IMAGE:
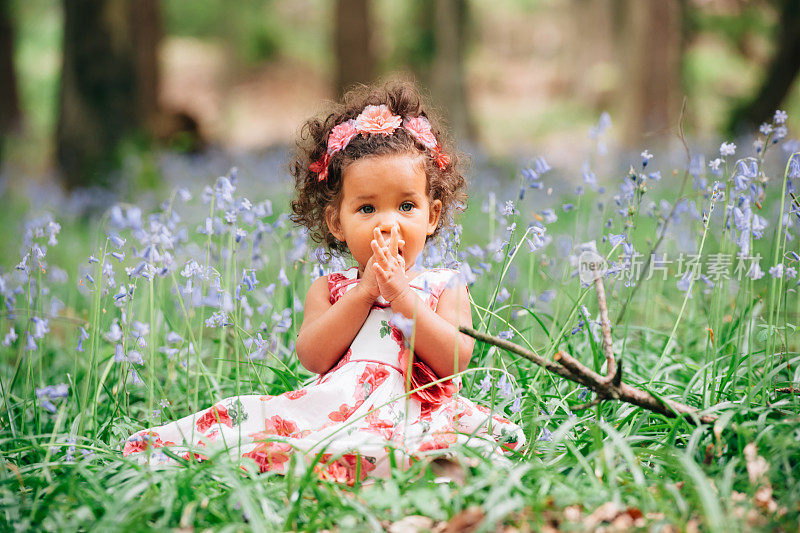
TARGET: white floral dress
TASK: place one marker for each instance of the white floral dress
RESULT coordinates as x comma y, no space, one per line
348,421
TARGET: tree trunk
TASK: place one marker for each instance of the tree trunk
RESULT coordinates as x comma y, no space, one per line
651,81
780,75
147,32
108,83
10,115
355,59
447,79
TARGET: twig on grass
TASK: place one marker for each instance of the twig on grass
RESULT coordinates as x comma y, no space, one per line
608,387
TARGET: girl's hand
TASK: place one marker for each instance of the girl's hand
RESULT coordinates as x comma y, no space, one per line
390,267
369,281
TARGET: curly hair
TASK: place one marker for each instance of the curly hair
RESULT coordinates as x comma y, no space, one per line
313,197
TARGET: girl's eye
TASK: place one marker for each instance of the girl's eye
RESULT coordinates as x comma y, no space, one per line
366,209
406,206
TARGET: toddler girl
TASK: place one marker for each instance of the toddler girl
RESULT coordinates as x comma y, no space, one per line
373,181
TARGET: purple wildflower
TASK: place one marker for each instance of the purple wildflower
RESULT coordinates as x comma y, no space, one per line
776,271
727,149
404,324
83,336
505,386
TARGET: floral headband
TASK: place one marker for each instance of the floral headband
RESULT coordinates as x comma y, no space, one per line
377,119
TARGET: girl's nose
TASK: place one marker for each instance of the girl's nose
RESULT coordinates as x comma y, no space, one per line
386,223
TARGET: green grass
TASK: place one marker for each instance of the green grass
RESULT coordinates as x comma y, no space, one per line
64,470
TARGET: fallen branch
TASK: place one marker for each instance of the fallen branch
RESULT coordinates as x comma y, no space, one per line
608,387
577,372
788,390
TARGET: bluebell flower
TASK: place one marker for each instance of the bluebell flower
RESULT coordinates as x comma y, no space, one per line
589,177
93,259
506,335
655,176
404,324
116,240
505,386
40,327
547,296
465,274
546,435
531,178
776,271
758,226
83,336
794,167
541,166
549,216
218,319
516,406
567,207
10,337
615,240
282,321
765,128
173,338
602,125
507,209
486,383
685,283
249,280
502,295
755,272
51,392
583,393
696,164
646,157
258,347
780,117
283,278
727,149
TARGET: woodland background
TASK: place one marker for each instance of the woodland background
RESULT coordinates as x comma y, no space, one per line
83,84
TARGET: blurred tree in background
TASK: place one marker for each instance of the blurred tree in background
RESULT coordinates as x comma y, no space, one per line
355,59
10,114
109,83
80,78
781,72
650,42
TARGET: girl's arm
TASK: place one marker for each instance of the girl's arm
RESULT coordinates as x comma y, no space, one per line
437,340
328,330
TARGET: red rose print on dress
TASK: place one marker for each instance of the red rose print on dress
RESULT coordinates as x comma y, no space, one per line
384,428
279,426
438,441
217,414
143,440
343,469
295,394
370,379
270,456
344,411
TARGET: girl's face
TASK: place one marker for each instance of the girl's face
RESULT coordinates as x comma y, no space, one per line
381,192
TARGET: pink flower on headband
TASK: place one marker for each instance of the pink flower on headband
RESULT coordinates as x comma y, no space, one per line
420,129
377,119
341,136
